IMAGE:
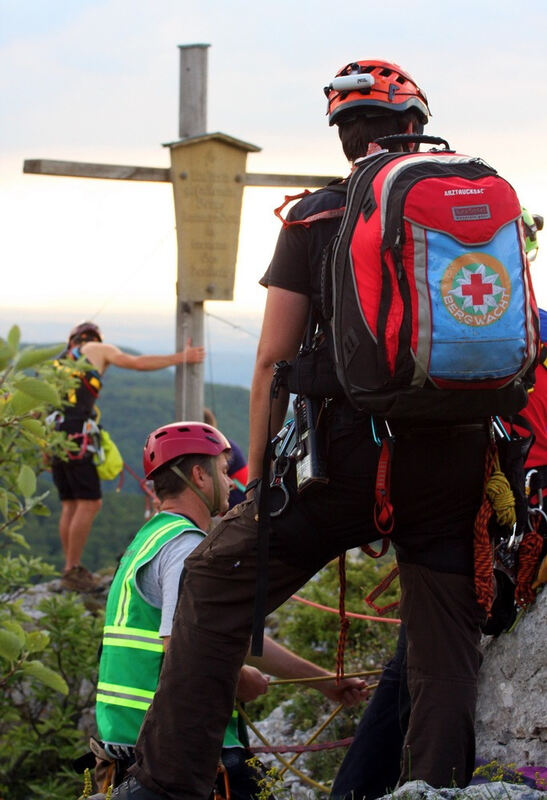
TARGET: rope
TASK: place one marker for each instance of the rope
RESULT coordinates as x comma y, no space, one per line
312,738
231,324
150,497
302,748
317,678
280,758
351,614
482,548
528,556
379,590
500,495
344,621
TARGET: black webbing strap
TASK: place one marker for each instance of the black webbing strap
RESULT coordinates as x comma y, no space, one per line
263,538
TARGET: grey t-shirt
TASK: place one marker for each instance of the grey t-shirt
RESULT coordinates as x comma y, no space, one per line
158,581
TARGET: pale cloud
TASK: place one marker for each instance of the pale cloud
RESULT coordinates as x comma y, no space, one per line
98,81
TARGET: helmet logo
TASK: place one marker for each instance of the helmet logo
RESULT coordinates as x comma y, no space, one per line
476,289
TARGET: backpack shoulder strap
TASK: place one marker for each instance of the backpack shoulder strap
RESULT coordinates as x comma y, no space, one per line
330,213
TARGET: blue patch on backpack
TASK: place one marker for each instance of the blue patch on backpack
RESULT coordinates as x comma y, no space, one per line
477,306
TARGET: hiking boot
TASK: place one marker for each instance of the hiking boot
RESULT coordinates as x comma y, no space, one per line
131,789
79,579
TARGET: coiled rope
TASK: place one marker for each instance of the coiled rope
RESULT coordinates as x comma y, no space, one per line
497,497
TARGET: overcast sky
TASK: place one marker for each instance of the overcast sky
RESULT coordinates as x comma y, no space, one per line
97,80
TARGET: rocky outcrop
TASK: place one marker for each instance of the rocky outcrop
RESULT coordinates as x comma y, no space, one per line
512,706
417,790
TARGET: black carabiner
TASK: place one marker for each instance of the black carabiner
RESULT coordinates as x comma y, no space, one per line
281,467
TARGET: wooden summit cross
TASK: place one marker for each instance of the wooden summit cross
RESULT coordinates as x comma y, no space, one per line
208,177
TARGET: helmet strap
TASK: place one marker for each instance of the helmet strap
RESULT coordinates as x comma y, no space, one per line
213,507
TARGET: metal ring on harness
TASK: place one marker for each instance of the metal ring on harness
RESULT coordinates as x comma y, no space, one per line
281,467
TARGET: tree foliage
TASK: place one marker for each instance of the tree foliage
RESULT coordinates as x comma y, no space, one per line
47,658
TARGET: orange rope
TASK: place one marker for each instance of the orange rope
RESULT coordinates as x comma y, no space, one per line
351,614
482,547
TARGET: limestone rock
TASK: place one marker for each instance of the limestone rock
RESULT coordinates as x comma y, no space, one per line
418,790
512,706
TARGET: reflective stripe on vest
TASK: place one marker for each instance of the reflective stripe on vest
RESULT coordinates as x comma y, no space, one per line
123,696
118,636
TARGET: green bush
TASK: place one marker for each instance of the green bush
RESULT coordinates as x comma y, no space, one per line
47,658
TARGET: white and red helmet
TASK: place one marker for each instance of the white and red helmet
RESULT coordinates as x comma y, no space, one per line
373,87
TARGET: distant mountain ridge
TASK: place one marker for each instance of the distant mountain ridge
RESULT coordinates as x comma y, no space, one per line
134,403
131,405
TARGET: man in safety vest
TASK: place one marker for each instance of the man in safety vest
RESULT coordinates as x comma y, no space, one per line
188,463
76,478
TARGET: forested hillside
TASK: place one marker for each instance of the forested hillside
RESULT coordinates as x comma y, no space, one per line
132,404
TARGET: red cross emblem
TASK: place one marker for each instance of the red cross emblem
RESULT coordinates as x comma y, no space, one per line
477,289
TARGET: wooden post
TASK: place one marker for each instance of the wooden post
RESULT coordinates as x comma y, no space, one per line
189,388
193,90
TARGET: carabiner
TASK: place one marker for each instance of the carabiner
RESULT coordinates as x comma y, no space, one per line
515,539
499,429
375,436
281,467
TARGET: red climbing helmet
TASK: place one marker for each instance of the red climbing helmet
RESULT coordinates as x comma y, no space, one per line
373,87
85,332
180,439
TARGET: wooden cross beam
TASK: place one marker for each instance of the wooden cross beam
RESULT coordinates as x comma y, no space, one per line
208,176
119,172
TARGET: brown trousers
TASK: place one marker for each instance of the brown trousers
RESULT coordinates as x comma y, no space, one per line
437,489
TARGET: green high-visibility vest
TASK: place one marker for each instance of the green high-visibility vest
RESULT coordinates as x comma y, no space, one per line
132,650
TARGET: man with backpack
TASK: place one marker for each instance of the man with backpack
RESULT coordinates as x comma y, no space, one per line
339,486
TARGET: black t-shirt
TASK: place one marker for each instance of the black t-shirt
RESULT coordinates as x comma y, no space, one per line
296,262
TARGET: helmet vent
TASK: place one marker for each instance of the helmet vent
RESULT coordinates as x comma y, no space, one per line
386,72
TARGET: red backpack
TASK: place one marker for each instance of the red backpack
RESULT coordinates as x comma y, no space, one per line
429,295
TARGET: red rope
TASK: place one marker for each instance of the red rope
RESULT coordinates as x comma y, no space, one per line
482,547
348,613
380,589
528,556
150,495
